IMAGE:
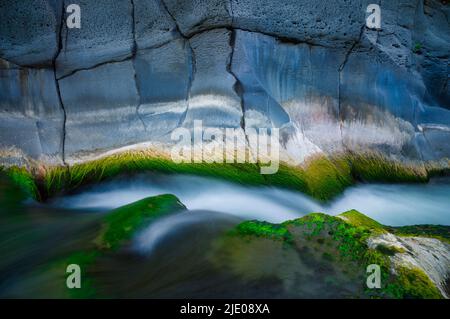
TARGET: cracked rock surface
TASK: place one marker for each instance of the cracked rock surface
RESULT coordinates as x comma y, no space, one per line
138,69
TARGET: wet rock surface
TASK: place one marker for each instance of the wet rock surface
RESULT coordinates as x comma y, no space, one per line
138,69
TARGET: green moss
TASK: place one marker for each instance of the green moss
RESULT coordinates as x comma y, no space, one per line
440,232
117,227
24,180
357,219
263,229
417,48
412,283
121,223
352,243
389,250
439,169
312,224
373,167
350,237
288,177
321,177
59,179
325,179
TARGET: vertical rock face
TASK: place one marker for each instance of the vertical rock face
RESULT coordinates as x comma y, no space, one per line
106,35
101,107
328,23
138,69
294,86
29,31
212,98
31,119
153,25
194,16
383,117
163,87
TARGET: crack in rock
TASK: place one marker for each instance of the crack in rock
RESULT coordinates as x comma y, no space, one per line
192,60
237,87
58,90
133,63
341,68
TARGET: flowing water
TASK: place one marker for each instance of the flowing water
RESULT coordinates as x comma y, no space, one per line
394,205
174,256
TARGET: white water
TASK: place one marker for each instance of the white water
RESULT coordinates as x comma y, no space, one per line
148,239
394,205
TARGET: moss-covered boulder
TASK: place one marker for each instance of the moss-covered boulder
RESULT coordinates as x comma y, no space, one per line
117,227
17,184
330,255
123,222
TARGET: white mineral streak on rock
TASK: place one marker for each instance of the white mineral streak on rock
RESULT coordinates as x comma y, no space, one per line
255,119
221,102
299,147
361,135
319,125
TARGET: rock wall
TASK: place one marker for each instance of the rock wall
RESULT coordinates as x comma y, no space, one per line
138,69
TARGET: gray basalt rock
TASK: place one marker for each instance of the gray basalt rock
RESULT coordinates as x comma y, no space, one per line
290,84
382,118
326,23
127,102
31,118
153,24
106,35
138,69
437,138
163,87
212,96
29,31
431,35
193,16
101,106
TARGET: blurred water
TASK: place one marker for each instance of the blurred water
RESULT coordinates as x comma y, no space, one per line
392,204
398,205
161,230
177,256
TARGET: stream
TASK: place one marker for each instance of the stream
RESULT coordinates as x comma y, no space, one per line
34,235
389,204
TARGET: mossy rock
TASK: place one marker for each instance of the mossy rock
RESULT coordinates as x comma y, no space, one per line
116,228
22,180
338,244
123,222
440,232
264,230
412,283
355,218
389,250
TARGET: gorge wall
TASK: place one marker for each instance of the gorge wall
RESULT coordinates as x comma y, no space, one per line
138,69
